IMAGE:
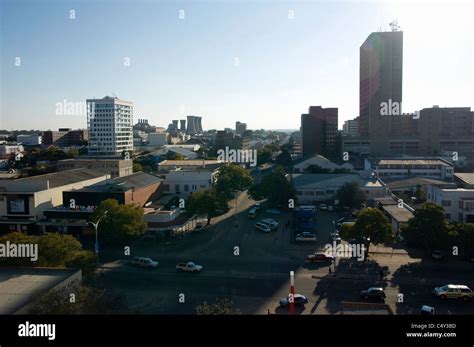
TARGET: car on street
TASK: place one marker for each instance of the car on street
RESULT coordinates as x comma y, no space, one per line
273,211
188,267
262,227
319,258
453,291
427,310
199,227
252,213
298,299
323,207
373,293
305,237
330,208
257,206
272,224
437,255
144,262
336,238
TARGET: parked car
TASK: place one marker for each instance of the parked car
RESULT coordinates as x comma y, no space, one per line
257,206
453,291
323,207
144,262
319,258
305,237
252,213
262,227
272,224
298,299
273,211
199,227
188,267
336,238
373,293
330,208
427,310
437,255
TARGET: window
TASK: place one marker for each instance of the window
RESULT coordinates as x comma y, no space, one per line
194,187
166,187
186,187
447,215
308,192
446,202
176,187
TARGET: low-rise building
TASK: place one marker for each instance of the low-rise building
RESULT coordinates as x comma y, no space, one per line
113,167
196,164
185,182
6,150
302,164
23,201
29,140
410,185
434,168
458,203
311,188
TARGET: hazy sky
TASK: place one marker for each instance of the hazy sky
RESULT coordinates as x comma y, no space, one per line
225,61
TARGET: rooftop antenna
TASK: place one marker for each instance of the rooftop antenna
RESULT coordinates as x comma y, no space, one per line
394,25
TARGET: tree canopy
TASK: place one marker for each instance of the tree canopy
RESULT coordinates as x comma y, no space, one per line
275,187
350,195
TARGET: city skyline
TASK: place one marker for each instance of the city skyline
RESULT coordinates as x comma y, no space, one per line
226,65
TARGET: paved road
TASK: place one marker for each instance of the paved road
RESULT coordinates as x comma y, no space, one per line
257,276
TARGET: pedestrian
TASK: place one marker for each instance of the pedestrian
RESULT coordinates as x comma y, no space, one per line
268,311
330,271
381,274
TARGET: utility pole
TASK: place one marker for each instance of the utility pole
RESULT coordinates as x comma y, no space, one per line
292,292
96,226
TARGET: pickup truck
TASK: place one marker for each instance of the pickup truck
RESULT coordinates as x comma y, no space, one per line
188,267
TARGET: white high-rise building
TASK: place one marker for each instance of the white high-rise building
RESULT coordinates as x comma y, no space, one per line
110,125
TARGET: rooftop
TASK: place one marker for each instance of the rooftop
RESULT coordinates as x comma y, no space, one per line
51,180
134,181
410,182
18,286
191,162
301,180
465,177
413,162
400,214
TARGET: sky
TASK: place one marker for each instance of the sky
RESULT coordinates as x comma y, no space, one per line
259,62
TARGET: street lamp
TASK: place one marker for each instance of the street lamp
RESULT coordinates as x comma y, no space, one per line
96,225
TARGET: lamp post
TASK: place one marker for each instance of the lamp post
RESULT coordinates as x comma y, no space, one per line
292,292
96,225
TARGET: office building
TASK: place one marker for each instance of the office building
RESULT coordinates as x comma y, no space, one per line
434,168
457,203
29,140
113,167
65,137
110,123
351,127
381,62
319,132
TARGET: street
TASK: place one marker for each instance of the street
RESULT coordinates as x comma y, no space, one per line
252,269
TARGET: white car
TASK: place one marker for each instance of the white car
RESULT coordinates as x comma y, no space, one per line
453,291
262,227
330,208
305,237
273,224
188,267
144,262
323,207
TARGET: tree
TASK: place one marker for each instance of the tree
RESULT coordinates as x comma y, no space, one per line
372,223
275,187
350,195
137,167
122,222
205,202
174,156
284,159
420,194
428,228
264,155
88,300
54,250
465,240
232,178
220,307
